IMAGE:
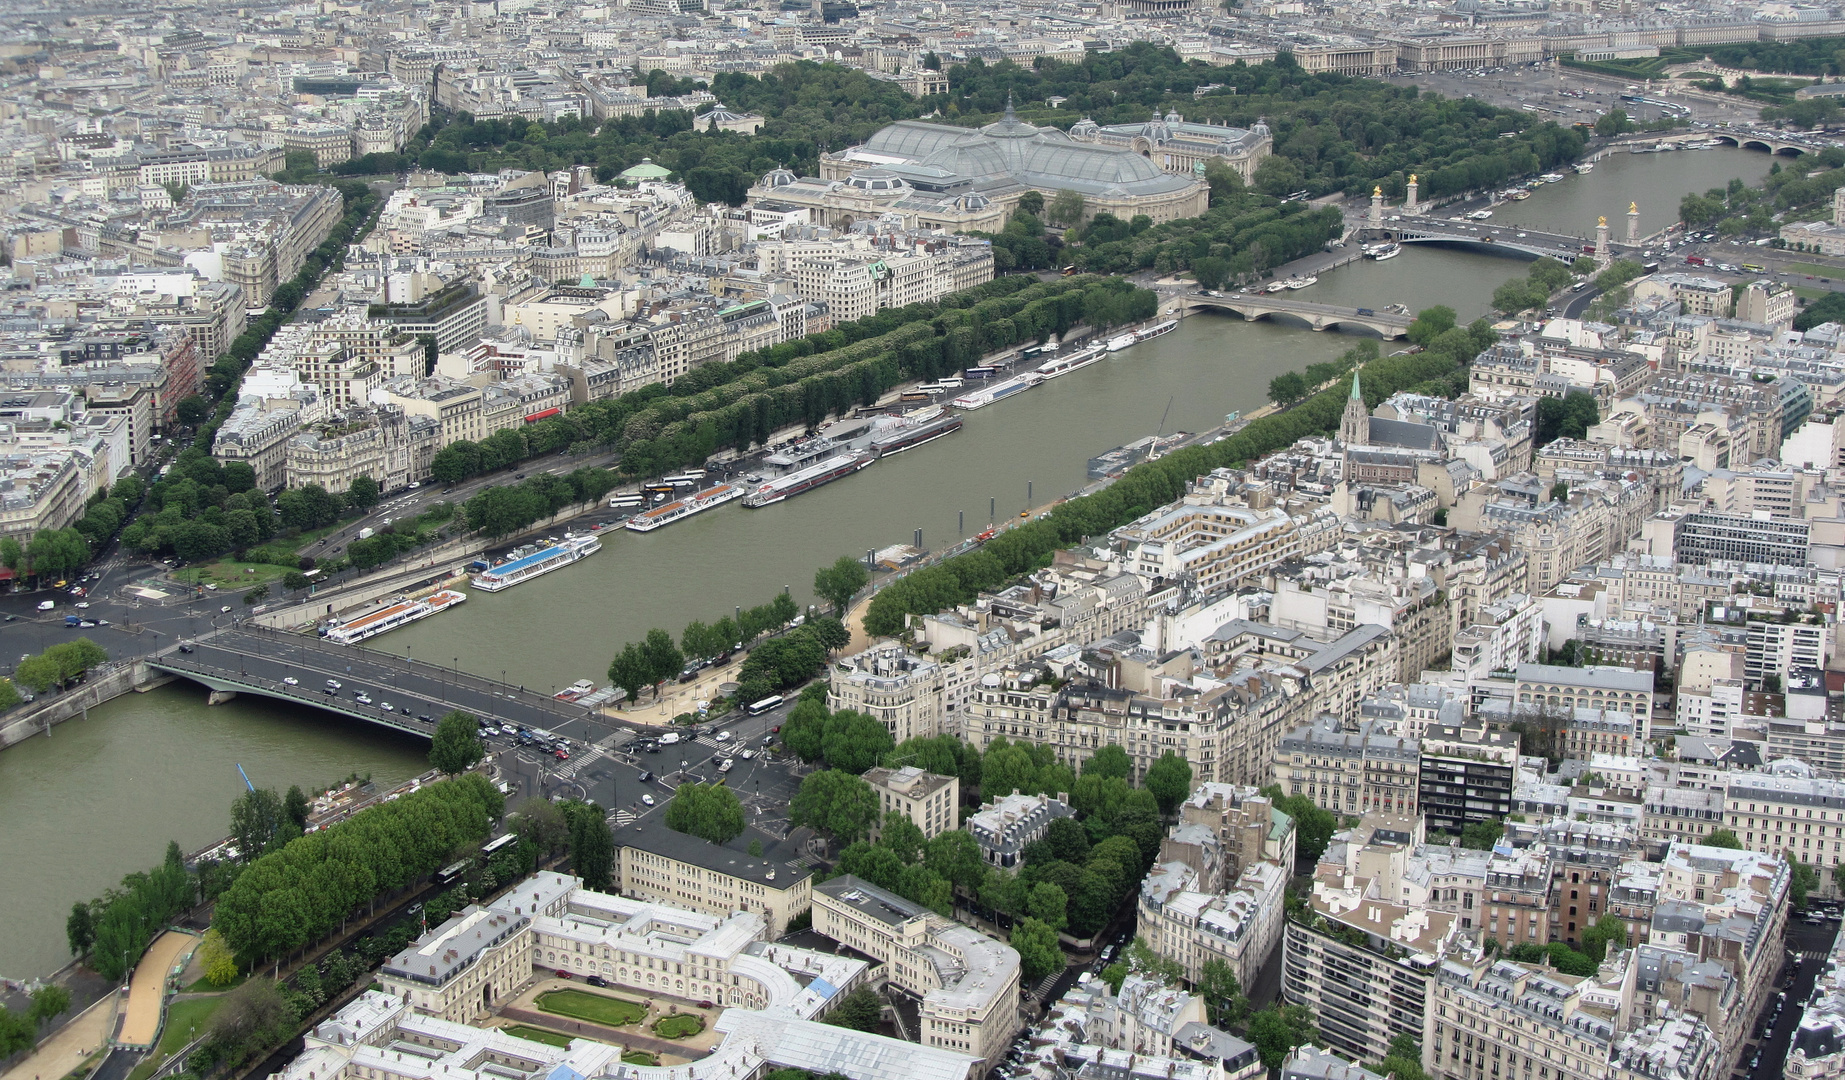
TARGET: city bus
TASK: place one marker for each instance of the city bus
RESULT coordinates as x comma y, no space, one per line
626,500
765,705
493,847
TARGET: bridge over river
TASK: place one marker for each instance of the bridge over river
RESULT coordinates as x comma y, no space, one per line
1514,240
253,660
1253,306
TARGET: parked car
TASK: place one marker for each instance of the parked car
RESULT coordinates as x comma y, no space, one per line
595,980
562,974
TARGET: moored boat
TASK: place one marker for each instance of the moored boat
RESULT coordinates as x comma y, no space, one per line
1063,365
679,509
1301,283
515,571
795,483
393,615
914,429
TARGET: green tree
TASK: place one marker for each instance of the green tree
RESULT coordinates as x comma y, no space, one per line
1039,954
1613,122
630,670
362,494
456,746
1066,208
1607,930
540,823
1313,826
854,741
1223,996
1049,905
1805,879
955,856
215,957
664,660
1287,388
79,929
1403,1061
1430,324
861,1010
1170,781
1482,835
1278,1031
837,803
902,837
48,1002
1724,838
1110,760
804,732
255,817
708,811
592,846
838,583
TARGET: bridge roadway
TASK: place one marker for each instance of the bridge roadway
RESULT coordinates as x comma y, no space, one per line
1484,236
253,660
1253,306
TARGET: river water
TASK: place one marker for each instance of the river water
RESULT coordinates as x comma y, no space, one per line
101,797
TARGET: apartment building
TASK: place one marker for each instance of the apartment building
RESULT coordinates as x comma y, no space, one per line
1352,769
968,982
1502,1014
1793,814
1192,922
888,682
1465,774
1214,547
656,863
928,800
1363,966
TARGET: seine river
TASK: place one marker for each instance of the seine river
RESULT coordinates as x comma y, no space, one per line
101,797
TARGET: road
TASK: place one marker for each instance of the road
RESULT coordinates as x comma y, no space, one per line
1569,96
1809,945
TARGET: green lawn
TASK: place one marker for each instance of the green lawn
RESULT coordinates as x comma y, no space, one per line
1816,270
639,1057
185,1019
678,1026
206,986
230,574
596,1008
526,1031
1808,292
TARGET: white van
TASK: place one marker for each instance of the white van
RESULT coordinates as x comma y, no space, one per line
47,605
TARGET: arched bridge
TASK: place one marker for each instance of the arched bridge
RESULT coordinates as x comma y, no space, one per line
1769,141
1253,306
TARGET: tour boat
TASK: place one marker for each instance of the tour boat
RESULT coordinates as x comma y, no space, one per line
526,567
1018,384
1063,365
1119,342
1384,251
393,615
900,433
1301,283
680,509
1167,327
805,480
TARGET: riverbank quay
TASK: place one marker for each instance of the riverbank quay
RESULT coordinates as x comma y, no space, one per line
105,684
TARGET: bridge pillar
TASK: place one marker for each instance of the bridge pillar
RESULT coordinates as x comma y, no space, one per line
219,697
1633,223
1377,206
1410,205
1601,241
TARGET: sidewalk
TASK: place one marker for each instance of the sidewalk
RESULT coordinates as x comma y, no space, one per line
71,1045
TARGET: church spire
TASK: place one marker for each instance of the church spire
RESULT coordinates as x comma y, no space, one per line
1011,117
1355,422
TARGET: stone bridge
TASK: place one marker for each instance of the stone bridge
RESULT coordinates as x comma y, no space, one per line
1253,306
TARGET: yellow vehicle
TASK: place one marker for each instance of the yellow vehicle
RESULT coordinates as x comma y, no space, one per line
1754,268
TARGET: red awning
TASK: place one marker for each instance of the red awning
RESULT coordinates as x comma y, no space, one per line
537,416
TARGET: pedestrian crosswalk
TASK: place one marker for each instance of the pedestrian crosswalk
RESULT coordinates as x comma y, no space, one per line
626,817
706,740
578,761
1045,984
